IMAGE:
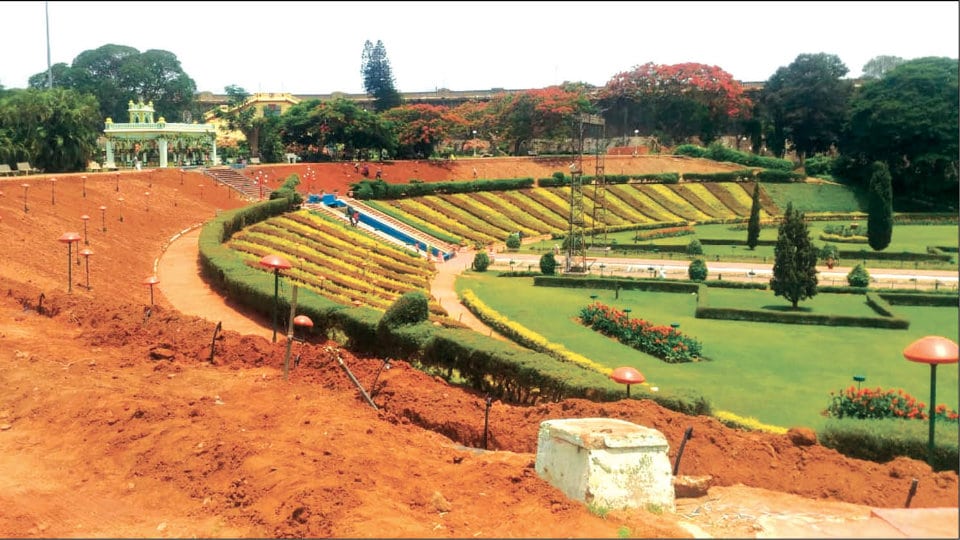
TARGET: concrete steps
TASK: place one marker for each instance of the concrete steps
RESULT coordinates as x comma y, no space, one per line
244,185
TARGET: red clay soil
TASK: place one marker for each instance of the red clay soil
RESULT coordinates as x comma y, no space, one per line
115,422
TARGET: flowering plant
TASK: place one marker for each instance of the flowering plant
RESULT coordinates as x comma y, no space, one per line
664,342
878,403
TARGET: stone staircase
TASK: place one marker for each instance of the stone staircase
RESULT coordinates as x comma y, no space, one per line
422,238
244,185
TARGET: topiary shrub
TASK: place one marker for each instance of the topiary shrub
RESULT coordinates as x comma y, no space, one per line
481,261
513,241
411,308
548,264
858,277
697,270
694,247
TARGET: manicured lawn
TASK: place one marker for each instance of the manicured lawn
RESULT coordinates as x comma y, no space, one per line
781,374
816,197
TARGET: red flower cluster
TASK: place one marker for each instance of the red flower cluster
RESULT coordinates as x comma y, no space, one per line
878,403
664,342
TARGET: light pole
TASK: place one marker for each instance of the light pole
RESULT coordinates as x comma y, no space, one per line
118,180
84,179
151,281
69,238
277,263
120,201
474,143
636,149
53,192
87,252
147,200
181,177
25,188
932,350
103,218
85,219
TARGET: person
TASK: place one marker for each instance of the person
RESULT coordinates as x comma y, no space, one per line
356,218
379,173
136,162
365,171
474,172
356,166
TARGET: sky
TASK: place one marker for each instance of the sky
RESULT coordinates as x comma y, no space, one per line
316,47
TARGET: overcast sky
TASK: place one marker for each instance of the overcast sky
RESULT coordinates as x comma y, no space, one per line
315,47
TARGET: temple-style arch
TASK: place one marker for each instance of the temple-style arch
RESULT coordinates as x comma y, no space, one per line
158,143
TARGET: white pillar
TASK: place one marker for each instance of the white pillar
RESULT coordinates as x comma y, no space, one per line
110,160
162,146
214,155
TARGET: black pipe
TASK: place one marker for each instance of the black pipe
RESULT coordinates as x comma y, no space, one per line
386,365
486,421
686,437
214,340
912,492
40,304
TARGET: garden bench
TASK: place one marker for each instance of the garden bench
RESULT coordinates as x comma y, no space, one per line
5,170
25,168
93,166
254,161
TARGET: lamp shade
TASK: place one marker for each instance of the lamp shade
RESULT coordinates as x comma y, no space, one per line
275,262
932,350
69,237
152,280
627,375
303,320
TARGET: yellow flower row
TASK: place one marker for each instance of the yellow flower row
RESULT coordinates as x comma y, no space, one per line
526,222
719,209
743,193
635,196
451,210
677,204
749,423
417,207
521,199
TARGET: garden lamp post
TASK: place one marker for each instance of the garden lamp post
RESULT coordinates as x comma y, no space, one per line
87,252
859,379
151,281
120,201
103,218
474,143
299,320
53,192
201,191
25,188
117,175
636,148
146,203
277,263
627,375
69,238
932,350
181,177
84,180
85,218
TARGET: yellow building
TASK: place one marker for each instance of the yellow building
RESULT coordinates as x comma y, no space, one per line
265,103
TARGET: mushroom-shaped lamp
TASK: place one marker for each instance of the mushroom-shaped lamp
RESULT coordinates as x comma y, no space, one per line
69,238
151,281
932,350
627,375
85,219
277,263
87,252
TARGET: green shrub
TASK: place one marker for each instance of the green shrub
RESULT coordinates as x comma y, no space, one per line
513,241
697,270
694,247
548,264
858,276
481,261
829,251
411,308
819,165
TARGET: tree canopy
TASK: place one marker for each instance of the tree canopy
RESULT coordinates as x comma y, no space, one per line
378,76
805,104
55,130
795,259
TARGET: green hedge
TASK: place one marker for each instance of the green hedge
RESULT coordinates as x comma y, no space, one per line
883,440
379,189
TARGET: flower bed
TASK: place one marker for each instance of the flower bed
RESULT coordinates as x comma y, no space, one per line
867,403
664,342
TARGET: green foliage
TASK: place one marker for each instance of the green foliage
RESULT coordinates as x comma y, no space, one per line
378,76
548,264
691,150
481,261
867,403
410,308
697,270
819,165
805,103
858,276
880,213
795,260
829,251
694,247
513,241
663,342
379,189
883,440
753,224
908,119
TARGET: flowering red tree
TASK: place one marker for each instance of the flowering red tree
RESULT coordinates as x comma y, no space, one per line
420,128
545,113
676,101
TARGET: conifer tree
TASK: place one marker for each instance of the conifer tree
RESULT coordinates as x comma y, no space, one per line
753,226
378,77
880,207
795,259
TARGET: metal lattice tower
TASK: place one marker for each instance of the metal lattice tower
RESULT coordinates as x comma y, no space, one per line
576,259
599,192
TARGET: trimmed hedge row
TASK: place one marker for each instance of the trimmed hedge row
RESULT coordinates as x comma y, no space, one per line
883,440
379,189
560,179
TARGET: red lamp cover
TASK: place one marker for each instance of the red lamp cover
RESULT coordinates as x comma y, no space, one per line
275,261
302,320
68,237
84,217
86,252
627,375
152,280
932,350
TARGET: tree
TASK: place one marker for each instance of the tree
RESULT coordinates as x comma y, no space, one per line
878,66
677,101
753,226
858,276
697,271
239,116
55,130
117,74
548,263
418,129
806,103
481,261
908,119
795,259
378,77
880,208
